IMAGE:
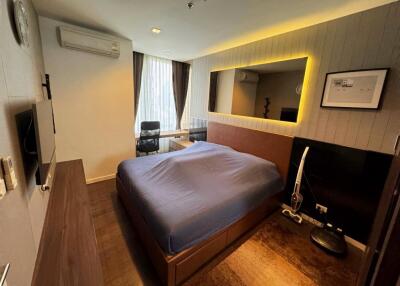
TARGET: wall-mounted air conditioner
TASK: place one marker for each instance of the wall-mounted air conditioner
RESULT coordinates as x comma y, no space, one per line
88,41
249,77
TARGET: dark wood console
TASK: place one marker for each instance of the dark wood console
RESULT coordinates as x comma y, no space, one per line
68,252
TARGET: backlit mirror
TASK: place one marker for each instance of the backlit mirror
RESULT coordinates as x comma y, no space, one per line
270,91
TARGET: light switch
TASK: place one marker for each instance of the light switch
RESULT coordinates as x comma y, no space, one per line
9,174
3,189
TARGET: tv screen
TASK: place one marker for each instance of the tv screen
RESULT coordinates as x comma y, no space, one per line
45,141
289,114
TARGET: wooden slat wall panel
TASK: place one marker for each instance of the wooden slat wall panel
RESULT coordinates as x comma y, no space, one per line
392,54
374,21
364,40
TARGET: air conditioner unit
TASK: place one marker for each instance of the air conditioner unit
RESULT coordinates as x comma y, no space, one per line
249,77
88,41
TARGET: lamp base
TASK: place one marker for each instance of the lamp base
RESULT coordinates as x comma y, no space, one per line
329,240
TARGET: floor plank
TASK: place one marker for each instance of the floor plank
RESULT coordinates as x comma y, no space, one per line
279,253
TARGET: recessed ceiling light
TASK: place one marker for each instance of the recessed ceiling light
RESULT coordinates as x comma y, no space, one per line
156,30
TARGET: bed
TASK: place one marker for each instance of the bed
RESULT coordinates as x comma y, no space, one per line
193,207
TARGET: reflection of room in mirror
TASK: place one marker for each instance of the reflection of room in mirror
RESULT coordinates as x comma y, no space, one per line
270,91
280,88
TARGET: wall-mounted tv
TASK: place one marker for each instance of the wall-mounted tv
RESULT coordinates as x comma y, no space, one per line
45,141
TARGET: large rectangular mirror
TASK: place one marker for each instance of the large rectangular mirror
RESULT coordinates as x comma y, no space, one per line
270,91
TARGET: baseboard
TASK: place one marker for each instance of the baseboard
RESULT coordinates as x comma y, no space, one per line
348,239
100,179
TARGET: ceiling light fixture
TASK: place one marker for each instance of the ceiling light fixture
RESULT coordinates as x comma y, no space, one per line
156,30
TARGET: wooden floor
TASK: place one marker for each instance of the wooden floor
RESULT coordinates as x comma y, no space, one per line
279,253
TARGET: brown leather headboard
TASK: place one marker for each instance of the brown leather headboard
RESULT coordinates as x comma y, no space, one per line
272,147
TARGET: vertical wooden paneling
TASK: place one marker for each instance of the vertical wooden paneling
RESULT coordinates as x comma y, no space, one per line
312,98
389,56
334,65
355,62
345,64
375,21
368,39
322,114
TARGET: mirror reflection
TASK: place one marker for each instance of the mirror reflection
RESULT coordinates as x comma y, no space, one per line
270,91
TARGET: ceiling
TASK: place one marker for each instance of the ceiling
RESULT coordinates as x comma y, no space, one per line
208,27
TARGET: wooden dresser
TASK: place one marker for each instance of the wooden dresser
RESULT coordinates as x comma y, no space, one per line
68,252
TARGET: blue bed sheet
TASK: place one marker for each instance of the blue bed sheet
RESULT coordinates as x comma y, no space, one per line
188,195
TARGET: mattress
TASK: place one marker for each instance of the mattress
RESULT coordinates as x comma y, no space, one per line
187,196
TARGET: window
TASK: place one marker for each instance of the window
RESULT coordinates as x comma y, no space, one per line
156,101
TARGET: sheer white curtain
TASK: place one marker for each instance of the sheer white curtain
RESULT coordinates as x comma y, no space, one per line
156,101
185,122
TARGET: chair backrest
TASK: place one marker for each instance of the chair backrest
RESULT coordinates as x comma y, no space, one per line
149,130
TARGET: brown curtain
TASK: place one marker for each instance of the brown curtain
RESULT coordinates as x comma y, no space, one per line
180,80
212,100
137,78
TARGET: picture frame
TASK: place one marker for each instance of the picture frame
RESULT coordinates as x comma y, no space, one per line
356,89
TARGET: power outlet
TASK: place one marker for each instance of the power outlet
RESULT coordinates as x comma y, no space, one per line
321,209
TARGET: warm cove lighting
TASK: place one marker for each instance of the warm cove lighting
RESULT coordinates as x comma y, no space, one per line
297,22
304,92
156,30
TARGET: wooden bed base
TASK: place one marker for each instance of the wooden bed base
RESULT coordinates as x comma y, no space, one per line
175,269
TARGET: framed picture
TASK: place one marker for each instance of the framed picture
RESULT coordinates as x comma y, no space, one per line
354,89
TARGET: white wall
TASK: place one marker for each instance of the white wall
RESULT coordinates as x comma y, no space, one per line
23,210
364,40
93,103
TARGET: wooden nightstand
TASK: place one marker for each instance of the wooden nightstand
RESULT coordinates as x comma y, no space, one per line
178,144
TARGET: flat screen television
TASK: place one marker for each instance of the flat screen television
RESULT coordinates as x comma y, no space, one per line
42,113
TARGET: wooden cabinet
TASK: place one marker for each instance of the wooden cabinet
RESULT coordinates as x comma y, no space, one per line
68,250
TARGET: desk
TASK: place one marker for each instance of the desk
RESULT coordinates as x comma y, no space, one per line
178,144
171,133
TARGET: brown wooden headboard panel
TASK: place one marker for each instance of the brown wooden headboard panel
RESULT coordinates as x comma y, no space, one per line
273,147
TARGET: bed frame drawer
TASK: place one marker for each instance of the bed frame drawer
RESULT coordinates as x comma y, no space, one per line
252,219
196,260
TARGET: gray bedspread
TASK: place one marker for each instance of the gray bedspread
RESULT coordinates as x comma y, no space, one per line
186,196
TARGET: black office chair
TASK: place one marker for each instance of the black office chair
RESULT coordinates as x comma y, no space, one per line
149,140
